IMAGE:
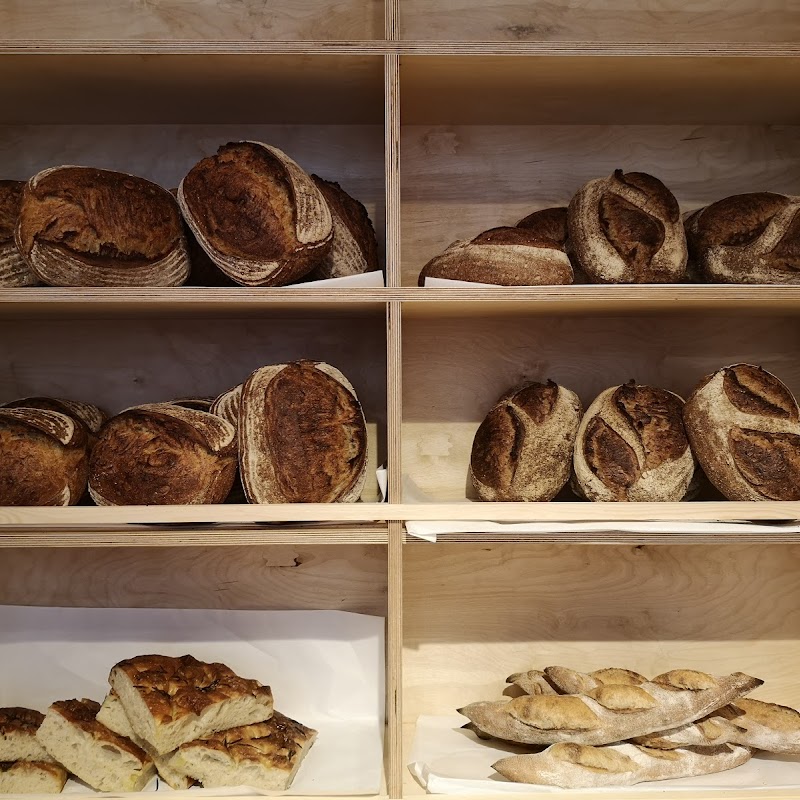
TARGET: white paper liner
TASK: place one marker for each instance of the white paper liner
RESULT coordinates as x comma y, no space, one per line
368,280
448,760
447,283
326,670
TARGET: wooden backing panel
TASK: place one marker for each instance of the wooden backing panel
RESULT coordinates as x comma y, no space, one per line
344,577
599,20
459,181
195,20
473,614
392,134
394,662
455,369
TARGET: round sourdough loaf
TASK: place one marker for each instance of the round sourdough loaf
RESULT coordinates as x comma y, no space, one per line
627,228
163,454
43,458
302,435
80,226
747,238
522,256
632,446
261,219
14,270
90,417
744,427
355,248
522,450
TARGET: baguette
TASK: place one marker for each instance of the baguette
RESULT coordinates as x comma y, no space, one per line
533,681
765,726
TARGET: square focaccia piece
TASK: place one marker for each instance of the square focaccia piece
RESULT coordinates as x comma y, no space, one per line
18,741
31,777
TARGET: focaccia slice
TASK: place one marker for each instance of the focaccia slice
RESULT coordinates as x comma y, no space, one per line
18,741
31,777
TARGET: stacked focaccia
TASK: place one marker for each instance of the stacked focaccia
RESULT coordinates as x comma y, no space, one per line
613,727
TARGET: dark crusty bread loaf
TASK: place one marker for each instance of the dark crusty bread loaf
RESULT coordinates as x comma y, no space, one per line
632,445
81,226
85,414
355,248
257,214
747,238
522,450
627,229
43,458
163,454
520,256
14,269
744,427
227,405
302,435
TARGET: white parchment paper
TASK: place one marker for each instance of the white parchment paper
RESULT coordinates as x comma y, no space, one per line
326,670
447,283
448,760
365,280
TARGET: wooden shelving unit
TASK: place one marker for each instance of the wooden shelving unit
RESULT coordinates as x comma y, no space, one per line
444,119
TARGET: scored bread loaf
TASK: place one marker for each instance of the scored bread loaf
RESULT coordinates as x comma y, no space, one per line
744,428
14,269
575,766
627,229
354,249
227,405
170,701
18,740
609,713
764,726
503,256
31,777
163,454
81,226
709,732
534,681
522,450
570,681
632,446
258,215
88,749
86,414
747,238
265,755
302,435
43,458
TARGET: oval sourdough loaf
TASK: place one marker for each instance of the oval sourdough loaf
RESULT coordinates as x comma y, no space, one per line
163,454
81,226
261,219
632,446
521,256
14,269
522,450
744,427
43,458
627,229
747,238
302,435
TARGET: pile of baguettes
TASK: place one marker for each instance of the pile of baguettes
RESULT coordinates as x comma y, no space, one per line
628,228
613,727
189,721
740,428
291,433
248,215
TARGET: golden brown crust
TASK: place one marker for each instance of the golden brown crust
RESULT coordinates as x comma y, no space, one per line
19,720
173,688
618,676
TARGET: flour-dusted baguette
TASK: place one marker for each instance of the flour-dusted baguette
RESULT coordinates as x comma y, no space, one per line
747,238
266,755
31,777
569,681
14,269
575,766
302,435
81,226
764,726
18,740
627,229
354,249
88,749
533,681
744,428
503,256
609,713
163,454
709,732
522,450
258,215
43,458
632,446
170,701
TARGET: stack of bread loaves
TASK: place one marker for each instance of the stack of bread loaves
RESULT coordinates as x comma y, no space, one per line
189,721
627,228
641,443
613,727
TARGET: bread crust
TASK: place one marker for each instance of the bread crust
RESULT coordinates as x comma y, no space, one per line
744,428
18,728
627,228
14,270
227,405
764,726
